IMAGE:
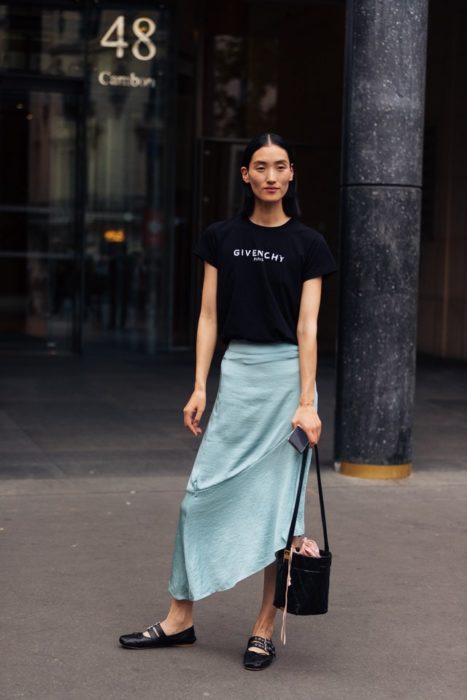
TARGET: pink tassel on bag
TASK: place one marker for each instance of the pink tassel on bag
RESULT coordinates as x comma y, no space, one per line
309,548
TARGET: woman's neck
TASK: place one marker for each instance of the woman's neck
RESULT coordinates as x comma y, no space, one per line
269,214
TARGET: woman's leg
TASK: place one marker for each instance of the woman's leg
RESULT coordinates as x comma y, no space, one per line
264,624
179,617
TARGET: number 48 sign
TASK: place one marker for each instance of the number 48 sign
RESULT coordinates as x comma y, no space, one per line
143,28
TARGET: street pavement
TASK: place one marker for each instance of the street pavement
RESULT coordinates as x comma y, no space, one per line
94,460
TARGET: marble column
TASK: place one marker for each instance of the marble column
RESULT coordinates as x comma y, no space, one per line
380,230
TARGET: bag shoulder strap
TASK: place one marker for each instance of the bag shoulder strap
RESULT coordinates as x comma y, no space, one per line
297,501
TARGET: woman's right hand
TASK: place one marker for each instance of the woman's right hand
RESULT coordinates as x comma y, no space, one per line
193,411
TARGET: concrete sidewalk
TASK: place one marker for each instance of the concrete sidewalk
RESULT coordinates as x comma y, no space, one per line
93,464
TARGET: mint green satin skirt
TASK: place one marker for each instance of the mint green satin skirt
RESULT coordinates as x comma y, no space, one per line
240,496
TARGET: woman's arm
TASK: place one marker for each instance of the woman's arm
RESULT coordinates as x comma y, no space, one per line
206,338
307,328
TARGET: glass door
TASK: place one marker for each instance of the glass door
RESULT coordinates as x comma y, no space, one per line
128,250
87,192
39,235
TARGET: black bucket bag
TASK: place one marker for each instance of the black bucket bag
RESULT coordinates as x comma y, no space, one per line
308,577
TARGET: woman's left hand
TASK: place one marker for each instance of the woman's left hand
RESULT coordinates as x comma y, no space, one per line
307,418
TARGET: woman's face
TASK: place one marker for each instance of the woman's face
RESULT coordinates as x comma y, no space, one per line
269,173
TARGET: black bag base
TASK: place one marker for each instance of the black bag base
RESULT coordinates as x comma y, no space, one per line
309,589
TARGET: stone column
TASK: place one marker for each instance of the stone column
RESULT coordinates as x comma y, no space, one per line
380,213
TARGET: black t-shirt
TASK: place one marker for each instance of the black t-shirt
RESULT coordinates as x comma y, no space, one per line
261,270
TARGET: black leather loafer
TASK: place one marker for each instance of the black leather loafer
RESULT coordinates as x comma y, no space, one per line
256,662
158,638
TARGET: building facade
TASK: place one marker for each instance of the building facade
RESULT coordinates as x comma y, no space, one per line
121,127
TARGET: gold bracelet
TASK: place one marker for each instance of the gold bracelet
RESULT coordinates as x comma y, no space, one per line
306,403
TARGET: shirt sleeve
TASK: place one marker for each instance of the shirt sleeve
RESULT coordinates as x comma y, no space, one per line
206,247
319,261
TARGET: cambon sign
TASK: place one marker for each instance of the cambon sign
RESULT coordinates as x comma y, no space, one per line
137,43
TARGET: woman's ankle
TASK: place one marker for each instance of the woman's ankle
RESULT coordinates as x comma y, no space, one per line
173,625
263,629
179,617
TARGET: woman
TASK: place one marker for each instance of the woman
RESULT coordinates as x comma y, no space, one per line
261,294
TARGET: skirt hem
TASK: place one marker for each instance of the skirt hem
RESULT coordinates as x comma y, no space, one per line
257,569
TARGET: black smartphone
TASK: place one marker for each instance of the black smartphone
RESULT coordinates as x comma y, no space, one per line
298,439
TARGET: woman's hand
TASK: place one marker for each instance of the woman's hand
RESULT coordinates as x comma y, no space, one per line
307,418
193,411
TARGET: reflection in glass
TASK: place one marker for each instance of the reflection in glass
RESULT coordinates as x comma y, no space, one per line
244,84
128,204
37,214
41,40
84,112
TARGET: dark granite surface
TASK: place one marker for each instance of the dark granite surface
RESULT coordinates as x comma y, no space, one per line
380,230
384,93
377,332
